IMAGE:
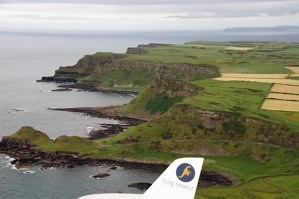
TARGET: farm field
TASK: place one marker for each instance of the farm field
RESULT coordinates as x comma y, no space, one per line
293,69
254,76
285,89
277,100
271,81
245,98
280,105
283,96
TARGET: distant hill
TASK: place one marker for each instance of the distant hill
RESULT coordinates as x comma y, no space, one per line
264,29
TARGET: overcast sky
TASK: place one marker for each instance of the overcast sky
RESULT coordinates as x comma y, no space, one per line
144,15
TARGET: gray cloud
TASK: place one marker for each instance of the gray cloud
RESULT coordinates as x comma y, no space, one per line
237,10
195,16
144,14
56,18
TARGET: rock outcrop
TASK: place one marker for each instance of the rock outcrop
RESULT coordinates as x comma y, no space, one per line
136,51
105,70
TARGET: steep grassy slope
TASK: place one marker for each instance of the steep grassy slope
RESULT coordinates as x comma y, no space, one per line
62,144
159,96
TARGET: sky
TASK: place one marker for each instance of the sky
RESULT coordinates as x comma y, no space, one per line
144,15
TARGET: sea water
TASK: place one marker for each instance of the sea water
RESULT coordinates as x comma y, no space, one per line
25,58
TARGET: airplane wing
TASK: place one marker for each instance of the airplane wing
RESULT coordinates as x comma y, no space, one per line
178,181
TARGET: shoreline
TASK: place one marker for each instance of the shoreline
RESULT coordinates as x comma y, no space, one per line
110,112
72,85
207,178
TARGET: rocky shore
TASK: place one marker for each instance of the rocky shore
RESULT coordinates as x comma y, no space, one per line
68,85
111,112
25,155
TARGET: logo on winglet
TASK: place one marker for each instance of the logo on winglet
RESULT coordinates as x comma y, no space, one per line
185,172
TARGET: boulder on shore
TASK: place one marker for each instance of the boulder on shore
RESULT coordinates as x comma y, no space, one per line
140,185
100,175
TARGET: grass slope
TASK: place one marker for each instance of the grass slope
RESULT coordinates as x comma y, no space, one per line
62,144
160,95
284,186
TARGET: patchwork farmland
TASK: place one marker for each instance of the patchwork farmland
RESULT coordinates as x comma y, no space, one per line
284,95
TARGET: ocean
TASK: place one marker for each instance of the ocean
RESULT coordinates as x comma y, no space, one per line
25,58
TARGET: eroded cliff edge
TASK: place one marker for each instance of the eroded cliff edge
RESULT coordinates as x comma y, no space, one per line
111,71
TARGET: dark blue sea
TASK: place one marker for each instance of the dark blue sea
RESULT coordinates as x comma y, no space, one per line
25,58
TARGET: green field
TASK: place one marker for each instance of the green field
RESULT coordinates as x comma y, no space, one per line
190,114
284,186
265,57
245,98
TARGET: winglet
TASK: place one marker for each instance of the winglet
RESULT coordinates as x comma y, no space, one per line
178,181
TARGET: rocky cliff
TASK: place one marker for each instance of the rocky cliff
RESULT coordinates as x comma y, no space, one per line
114,71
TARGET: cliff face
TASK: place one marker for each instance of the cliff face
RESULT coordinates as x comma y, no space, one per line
91,62
109,70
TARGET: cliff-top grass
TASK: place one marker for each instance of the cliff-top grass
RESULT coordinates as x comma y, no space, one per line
263,58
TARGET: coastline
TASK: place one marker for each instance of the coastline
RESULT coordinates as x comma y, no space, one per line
110,112
90,88
207,178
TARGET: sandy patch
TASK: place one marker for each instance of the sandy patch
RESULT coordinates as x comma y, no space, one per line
285,89
294,75
281,105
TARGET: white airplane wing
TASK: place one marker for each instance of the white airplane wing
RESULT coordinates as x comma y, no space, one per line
178,181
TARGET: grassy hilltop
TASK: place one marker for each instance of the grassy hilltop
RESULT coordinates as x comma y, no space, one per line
232,121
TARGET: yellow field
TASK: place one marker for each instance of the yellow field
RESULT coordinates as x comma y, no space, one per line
285,92
285,89
294,75
283,96
275,81
280,105
254,76
293,69
237,48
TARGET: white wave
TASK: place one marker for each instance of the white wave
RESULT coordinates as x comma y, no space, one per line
47,91
13,167
29,172
89,129
10,159
18,109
